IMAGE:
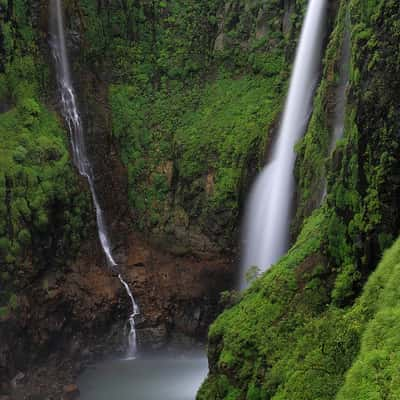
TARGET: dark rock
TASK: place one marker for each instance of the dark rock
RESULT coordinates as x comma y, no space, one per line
17,379
71,392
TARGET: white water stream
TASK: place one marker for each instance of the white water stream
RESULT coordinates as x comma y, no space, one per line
268,213
72,117
341,90
341,93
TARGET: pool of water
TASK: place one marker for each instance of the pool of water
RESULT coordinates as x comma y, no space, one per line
156,377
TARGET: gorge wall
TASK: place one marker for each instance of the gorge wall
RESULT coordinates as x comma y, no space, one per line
312,328
155,81
181,101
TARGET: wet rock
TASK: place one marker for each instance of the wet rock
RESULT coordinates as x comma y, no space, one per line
17,379
153,337
178,297
261,24
71,392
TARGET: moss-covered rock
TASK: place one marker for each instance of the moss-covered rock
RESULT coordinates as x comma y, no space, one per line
316,337
42,209
195,92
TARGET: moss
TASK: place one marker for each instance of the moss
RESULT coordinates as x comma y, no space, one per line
313,150
205,132
374,374
284,342
255,333
42,209
360,172
192,120
319,325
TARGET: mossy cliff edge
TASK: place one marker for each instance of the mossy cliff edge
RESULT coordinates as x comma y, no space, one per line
319,325
181,101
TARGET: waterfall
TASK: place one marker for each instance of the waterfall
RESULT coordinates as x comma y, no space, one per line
132,332
341,93
268,212
72,117
341,90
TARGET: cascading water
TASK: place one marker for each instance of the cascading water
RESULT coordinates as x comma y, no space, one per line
341,93
268,213
341,90
72,117
135,311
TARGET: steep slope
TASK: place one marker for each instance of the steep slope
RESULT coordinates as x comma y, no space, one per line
195,92
297,331
374,374
43,211
185,92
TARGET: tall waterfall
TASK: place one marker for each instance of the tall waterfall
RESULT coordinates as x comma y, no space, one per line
268,213
72,117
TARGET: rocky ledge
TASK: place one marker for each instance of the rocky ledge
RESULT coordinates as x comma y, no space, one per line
69,318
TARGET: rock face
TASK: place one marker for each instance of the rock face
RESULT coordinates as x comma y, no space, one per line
71,392
67,313
75,316
177,295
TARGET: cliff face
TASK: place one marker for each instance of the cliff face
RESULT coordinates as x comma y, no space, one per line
303,331
155,82
59,304
181,101
194,102
68,318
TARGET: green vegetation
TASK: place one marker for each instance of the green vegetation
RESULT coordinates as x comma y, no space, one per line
42,209
195,90
313,158
318,325
374,374
361,172
363,184
204,138
284,341
253,345
195,93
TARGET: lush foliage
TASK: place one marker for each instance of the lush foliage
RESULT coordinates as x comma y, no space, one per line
284,341
41,209
374,374
363,185
196,90
201,142
314,149
303,331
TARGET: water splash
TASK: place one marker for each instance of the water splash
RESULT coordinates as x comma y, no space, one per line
268,213
132,350
73,119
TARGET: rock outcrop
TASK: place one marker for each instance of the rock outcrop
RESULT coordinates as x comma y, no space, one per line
66,319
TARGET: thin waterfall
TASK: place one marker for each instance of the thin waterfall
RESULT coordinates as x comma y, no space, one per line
341,92
268,212
132,348
73,119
